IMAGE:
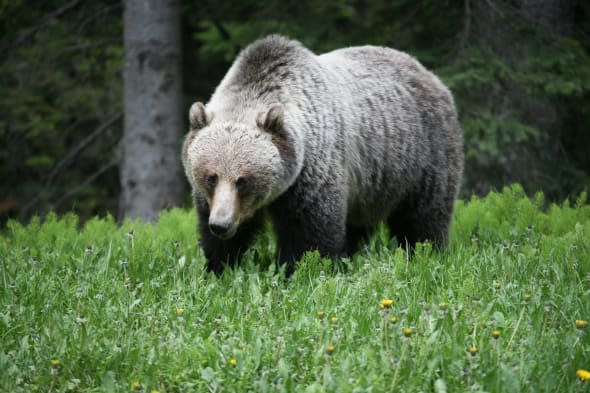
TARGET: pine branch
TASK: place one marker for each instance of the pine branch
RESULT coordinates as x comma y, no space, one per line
87,181
84,143
45,194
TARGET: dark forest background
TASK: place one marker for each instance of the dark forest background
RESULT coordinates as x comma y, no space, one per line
519,71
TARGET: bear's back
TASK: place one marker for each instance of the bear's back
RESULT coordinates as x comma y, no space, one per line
403,125
375,70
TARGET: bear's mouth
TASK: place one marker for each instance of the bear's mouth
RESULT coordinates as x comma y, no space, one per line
223,236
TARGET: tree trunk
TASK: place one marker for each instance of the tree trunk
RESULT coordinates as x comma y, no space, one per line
151,172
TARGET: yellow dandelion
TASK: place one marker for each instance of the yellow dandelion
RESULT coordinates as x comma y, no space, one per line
155,391
233,361
136,385
179,311
334,319
321,314
583,375
55,363
496,334
393,319
496,284
408,331
527,297
473,350
386,303
581,323
330,348
443,306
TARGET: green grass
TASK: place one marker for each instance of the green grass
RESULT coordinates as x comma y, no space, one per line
118,305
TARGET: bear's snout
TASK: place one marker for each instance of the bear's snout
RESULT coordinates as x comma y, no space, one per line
223,218
222,226
218,230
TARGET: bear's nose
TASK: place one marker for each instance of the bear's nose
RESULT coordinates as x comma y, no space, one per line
218,229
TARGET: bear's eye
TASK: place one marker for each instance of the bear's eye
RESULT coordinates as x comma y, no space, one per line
241,183
211,180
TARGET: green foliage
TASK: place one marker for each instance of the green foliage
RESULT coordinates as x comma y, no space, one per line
516,91
59,82
324,26
118,305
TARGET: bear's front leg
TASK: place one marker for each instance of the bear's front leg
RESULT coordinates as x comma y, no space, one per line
305,222
220,252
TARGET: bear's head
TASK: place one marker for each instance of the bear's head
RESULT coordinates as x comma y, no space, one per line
238,167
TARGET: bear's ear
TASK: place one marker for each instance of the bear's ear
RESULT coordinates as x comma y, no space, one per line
271,120
198,116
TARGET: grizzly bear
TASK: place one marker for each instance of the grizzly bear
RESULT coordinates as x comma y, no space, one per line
328,146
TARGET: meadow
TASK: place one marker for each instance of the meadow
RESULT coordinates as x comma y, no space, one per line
105,308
